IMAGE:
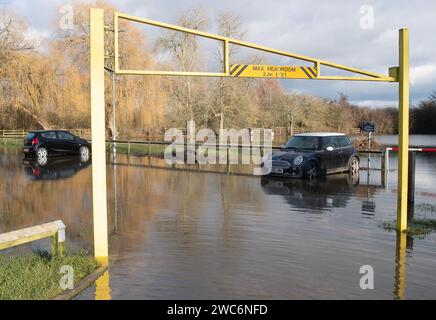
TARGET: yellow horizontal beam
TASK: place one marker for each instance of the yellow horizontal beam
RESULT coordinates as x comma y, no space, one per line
382,79
170,73
167,26
318,62
215,74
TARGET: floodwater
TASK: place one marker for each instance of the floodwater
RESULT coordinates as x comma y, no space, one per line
187,234
415,140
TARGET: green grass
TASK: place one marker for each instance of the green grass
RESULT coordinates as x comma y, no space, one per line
419,228
37,276
122,148
159,150
138,149
18,143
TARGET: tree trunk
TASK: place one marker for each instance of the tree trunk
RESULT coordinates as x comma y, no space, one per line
41,123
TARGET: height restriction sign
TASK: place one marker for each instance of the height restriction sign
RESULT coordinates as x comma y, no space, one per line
265,71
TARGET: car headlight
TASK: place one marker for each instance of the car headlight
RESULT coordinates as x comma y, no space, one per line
298,160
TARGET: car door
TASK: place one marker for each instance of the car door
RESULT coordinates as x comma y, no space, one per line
347,151
342,152
50,141
329,159
66,142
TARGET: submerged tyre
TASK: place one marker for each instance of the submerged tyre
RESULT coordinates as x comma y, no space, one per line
354,165
310,170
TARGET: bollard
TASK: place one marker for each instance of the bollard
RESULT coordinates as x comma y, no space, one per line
149,144
411,182
387,159
228,159
383,172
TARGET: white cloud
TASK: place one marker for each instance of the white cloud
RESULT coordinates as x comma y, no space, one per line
32,34
423,74
37,37
375,103
389,35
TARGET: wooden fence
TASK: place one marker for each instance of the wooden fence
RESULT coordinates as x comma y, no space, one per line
12,133
21,133
141,134
55,230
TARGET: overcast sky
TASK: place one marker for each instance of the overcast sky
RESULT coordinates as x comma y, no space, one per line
338,30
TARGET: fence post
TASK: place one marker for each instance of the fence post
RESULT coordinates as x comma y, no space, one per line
149,144
197,152
58,240
387,159
228,158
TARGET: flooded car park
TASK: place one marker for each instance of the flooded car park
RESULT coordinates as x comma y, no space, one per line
179,234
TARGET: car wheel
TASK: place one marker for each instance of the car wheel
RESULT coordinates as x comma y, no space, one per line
354,165
311,170
41,153
84,154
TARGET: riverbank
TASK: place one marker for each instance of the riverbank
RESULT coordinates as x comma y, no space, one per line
37,276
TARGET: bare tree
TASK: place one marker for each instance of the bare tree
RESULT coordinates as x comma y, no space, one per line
11,35
187,93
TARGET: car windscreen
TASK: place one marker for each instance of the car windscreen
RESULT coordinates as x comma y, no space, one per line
301,142
30,136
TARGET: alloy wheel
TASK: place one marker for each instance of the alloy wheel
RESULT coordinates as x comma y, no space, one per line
311,171
354,166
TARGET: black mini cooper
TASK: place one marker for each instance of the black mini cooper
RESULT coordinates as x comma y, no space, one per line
55,142
309,155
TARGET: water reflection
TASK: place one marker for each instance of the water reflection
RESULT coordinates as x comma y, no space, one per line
44,168
400,266
102,287
177,234
324,192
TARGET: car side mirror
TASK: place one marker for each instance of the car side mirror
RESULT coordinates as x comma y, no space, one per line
329,148
282,146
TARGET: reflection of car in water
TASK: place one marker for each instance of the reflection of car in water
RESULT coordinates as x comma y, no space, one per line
325,192
54,168
309,155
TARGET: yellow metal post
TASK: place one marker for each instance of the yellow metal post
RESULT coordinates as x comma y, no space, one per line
98,135
226,55
403,131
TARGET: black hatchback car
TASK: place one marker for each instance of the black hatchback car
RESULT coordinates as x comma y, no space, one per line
55,142
309,155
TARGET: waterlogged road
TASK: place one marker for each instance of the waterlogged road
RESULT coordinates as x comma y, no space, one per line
178,234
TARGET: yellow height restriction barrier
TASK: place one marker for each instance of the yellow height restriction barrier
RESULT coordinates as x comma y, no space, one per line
398,74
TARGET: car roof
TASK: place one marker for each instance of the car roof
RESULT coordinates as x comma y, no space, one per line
320,134
42,131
